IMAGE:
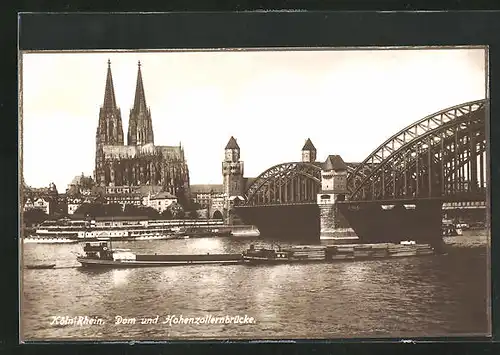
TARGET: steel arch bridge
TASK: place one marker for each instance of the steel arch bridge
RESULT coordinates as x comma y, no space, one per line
287,183
441,155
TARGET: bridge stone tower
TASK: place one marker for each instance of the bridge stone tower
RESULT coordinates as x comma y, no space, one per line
232,172
333,189
308,152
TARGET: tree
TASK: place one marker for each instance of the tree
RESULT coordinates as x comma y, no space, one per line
176,208
195,206
148,212
91,209
140,211
181,197
113,209
180,214
58,215
34,216
167,214
193,214
59,208
131,210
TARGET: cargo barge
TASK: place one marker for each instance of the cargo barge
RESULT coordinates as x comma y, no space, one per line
101,255
353,252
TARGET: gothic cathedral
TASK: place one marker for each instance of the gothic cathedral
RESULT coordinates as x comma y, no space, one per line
139,162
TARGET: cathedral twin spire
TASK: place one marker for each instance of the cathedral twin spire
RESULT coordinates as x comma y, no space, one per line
140,97
109,129
109,93
140,128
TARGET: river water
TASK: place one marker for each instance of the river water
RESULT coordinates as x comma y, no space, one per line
441,295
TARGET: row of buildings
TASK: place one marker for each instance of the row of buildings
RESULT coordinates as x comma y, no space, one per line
50,201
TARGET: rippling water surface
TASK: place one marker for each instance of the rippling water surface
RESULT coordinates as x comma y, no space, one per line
407,297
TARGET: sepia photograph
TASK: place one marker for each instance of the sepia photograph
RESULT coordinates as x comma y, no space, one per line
254,194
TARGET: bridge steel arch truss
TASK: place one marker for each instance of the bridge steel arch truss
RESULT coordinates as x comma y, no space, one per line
286,183
441,155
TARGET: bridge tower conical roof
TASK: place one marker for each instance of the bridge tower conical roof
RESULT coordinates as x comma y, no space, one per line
309,145
232,144
334,162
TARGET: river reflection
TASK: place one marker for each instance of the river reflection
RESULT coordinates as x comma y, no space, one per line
120,277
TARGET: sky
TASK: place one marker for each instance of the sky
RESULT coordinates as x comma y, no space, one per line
347,102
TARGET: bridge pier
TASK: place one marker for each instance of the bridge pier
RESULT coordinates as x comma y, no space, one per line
333,224
393,221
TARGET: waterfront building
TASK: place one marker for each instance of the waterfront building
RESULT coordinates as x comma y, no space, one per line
205,194
217,207
38,203
140,162
78,195
160,201
73,203
45,198
128,195
80,183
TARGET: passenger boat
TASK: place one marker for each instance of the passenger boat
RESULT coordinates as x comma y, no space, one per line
449,229
310,254
53,232
153,237
61,231
245,233
100,254
48,240
201,232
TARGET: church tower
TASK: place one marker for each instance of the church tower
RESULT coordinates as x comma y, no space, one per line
109,128
308,152
232,169
140,126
